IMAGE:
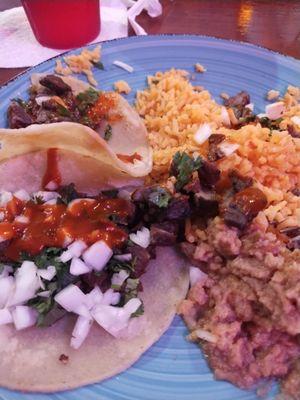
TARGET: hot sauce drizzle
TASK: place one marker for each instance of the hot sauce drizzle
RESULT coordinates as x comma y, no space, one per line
52,173
50,225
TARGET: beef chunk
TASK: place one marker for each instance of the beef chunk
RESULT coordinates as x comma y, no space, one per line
296,191
208,174
188,249
206,204
216,138
164,233
178,209
294,243
142,194
238,181
17,116
55,84
239,100
214,152
291,231
141,257
90,280
245,206
293,131
233,216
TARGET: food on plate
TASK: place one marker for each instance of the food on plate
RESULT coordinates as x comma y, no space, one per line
224,191
81,63
82,130
85,287
122,87
240,173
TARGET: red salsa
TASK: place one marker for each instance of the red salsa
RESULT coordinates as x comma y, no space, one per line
50,225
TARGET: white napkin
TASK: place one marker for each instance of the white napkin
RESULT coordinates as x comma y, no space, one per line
19,48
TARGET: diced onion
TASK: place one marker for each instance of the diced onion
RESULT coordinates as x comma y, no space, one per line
296,120
78,267
196,275
22,219
22,195
94,297
205,335
48,273
124,66
114,319
73,300
26,284
7,286
119,278
46,196
225,116
275,110
45,293
80,331
77,247
40,99
5,197
97,255
228,148
250,106
5,317
203,133
51,202
66,256
7,269
52,185
123,257
141,237
110,297
24,317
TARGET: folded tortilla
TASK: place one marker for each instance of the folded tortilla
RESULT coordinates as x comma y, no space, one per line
85,157
29,359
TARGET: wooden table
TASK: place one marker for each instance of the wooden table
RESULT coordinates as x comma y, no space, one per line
274,24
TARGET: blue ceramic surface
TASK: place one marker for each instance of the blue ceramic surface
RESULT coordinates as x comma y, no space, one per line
172,369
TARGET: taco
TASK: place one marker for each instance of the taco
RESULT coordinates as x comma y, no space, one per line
95,139
84,287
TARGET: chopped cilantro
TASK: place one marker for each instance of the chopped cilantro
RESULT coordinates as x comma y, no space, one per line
21,102
182,168
63,111
269,123
107,132
48,256
140,311
86,99
67,193
98,64
160,197
117,265
111,194
38,200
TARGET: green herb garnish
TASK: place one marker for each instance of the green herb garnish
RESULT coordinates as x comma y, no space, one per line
160,197
107,132
63,111
87,99
117,265
98,64
67,193
270,123
182,168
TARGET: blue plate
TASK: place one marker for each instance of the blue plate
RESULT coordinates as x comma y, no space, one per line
172,369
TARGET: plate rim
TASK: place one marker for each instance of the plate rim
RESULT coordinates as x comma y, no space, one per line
145,37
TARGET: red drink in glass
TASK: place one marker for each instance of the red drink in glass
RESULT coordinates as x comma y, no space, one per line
63,24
